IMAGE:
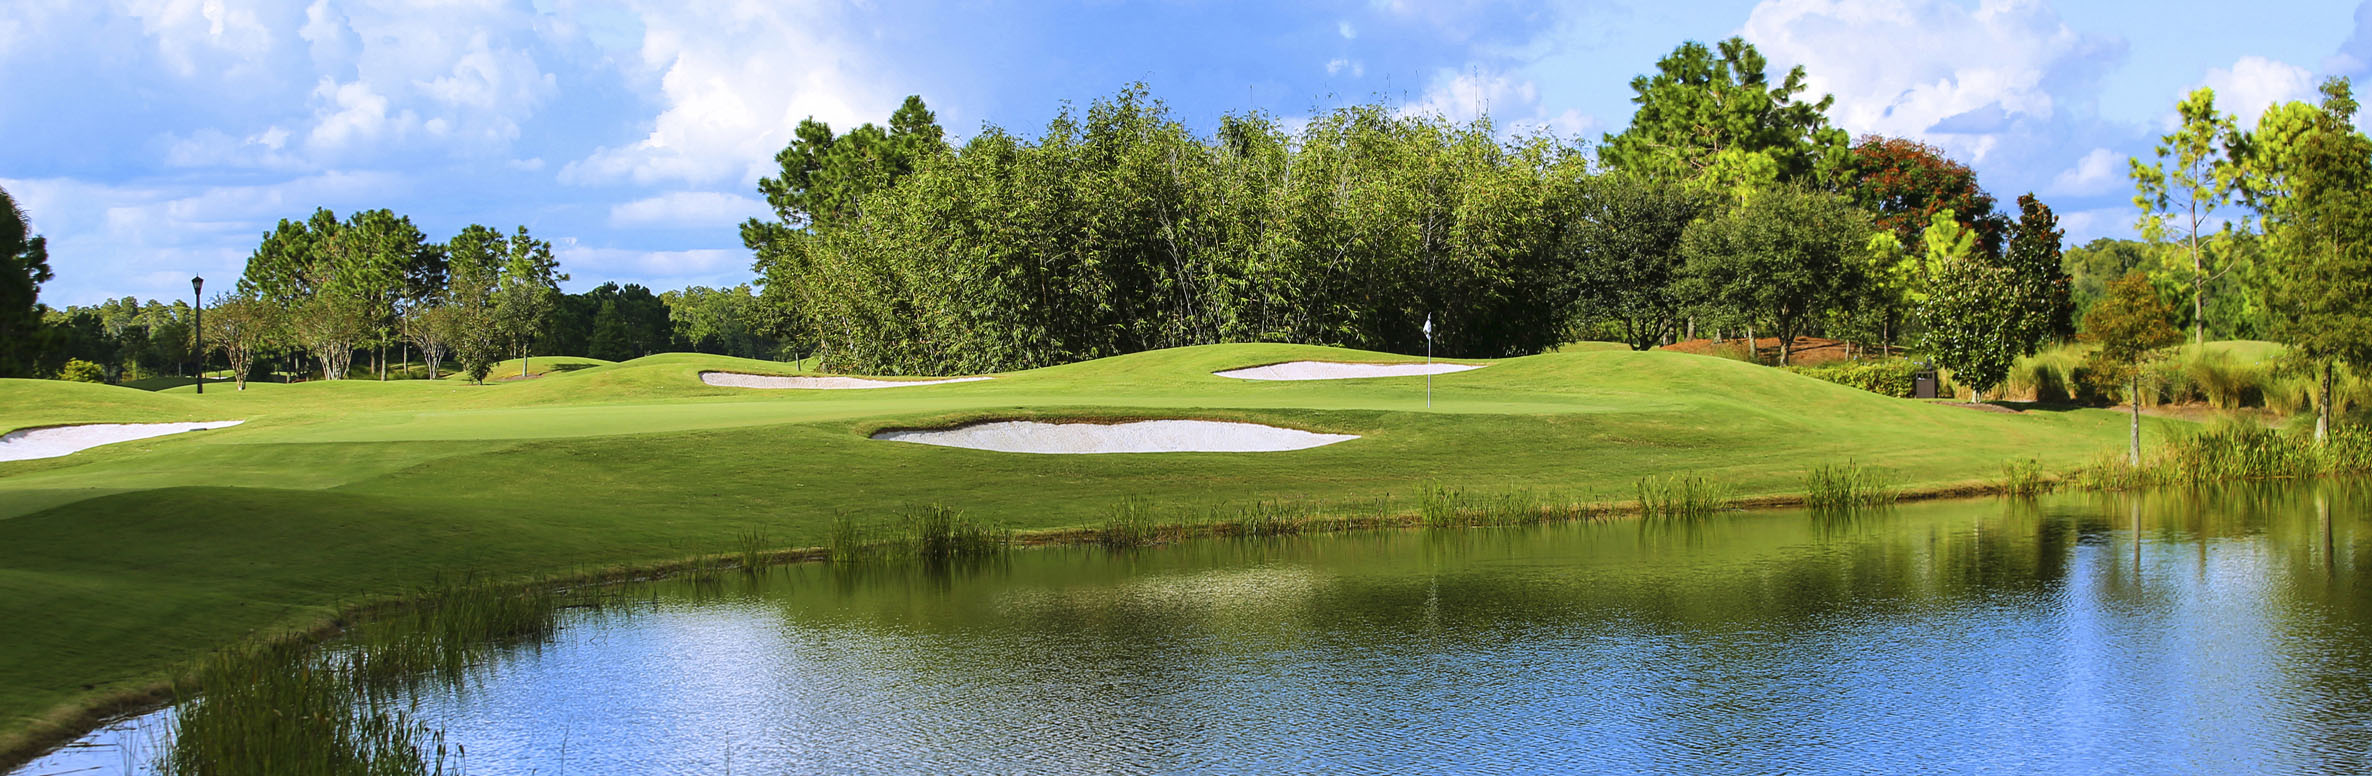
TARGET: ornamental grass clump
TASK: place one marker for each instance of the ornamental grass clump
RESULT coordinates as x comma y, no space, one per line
1848,485
1682,496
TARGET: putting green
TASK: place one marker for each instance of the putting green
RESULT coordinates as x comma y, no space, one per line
120,562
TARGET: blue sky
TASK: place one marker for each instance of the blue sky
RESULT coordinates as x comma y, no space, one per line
154,139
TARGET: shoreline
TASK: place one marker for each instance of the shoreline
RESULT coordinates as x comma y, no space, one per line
67,723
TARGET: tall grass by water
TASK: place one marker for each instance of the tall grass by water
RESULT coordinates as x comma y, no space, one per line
1682,496
938,533
1441,506
1127,526
2024,477
1849,485
292,707
2233,450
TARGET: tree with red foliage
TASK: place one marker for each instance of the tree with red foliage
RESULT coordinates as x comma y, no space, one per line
1903,183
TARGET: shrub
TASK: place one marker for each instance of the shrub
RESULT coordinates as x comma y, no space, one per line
80,371
1891,377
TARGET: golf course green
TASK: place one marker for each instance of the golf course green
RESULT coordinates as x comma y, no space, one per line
120,563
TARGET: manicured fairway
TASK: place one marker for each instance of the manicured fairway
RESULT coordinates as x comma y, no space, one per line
120,562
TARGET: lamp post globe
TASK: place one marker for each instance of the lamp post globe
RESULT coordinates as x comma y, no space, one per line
197,324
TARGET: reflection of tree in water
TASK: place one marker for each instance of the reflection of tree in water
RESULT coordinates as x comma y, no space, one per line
1711,640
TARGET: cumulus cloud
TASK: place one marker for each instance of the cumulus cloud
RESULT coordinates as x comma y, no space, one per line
666,269
1934,70
108,240
734,80
688,210
206,36
2255,83
1510,101
2096,173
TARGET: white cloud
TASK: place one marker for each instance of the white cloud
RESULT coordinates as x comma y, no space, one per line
147,239
688,210
206,36
352,115
2255,83
1338,66
734,81
2093,174
1933,70
665,269
1345,29
1512,102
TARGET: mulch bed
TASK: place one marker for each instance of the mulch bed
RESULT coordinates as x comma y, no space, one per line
1809,351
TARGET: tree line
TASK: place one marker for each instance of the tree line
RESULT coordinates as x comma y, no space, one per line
318,293
1728,207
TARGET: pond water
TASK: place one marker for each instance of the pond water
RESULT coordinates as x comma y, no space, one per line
2220,632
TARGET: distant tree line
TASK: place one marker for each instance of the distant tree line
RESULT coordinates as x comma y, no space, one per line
321,293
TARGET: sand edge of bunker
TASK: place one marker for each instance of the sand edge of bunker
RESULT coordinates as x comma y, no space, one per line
57,441
724,379
1308,369
1100,436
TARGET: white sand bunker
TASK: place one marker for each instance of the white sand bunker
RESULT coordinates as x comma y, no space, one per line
1338,370
1147,436
55,441
740,380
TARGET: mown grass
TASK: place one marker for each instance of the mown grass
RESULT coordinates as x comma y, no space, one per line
338,491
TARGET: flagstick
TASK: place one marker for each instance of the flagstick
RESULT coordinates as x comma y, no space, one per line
1428,361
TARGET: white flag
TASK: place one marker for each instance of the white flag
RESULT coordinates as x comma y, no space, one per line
1428,324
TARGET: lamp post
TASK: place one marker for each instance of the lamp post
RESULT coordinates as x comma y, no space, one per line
197,324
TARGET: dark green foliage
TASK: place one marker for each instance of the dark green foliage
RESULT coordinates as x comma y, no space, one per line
1973,318
1889,377
1786,258
1703,102
24,266
1119,230
2044,289
611,322
1623,241
2318,215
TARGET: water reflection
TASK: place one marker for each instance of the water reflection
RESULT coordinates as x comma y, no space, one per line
2215,631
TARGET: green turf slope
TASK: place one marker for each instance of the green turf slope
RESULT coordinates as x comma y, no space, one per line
121,561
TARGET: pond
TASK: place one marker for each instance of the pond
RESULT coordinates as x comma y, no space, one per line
2195,632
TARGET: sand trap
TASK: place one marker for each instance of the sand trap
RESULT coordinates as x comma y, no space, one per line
1337,370
740,380
1147,436
55,441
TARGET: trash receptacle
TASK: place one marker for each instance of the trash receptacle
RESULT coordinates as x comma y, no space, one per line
1923,385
